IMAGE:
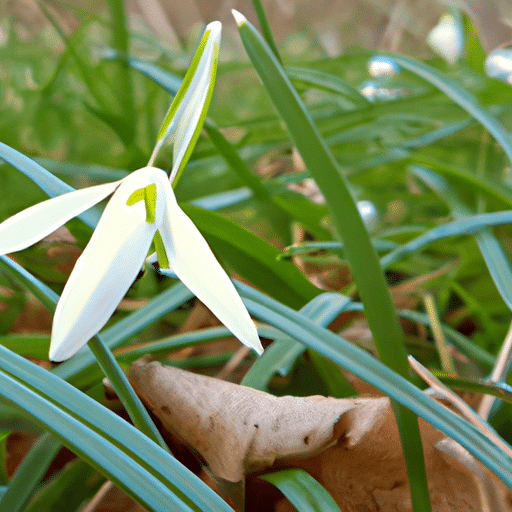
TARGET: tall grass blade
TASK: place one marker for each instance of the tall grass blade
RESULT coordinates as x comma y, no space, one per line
364,263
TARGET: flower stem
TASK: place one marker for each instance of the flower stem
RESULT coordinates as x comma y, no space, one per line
124,390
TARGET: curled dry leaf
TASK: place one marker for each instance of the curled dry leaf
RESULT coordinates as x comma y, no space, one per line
351,446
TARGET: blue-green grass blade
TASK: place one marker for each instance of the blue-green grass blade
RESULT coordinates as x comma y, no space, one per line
102,423
30,472
179,341
44,179
479,184
123,330
363,260
216,202
464,344
500,390
366,367
282,355
327,82
302,490
460,96
498,265
495,258
335,247
96,450
464,226
96,172
165,79
121,42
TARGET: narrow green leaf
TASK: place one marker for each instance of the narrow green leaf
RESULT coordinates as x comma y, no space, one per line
13,419
4,477
75,483
474,54
326,172
302,490
335,247
479,184
327,82
336,383
460,96
28,475
363,260
28,345
265,27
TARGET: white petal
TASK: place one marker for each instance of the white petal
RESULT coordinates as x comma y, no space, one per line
31,225
194,263
190,104
108,266
195,99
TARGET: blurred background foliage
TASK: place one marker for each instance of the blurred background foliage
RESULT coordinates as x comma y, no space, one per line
71,98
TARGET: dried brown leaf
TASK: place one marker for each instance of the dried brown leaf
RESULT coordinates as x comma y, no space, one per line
351,446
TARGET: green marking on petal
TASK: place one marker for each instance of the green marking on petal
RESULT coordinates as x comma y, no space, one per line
148,195
137,196
150,201
160,250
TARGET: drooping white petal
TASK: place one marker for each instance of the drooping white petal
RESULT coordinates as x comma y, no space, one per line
31,225
108,265
191,258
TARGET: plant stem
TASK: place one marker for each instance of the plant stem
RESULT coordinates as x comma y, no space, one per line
124,390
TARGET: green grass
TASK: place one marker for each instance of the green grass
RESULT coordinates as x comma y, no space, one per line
434,160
